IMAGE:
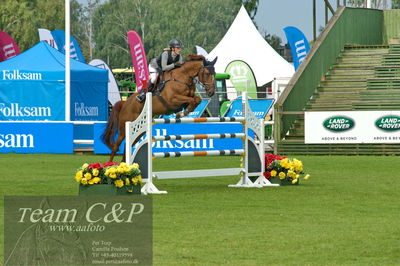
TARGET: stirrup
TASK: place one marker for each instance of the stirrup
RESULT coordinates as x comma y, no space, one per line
141,96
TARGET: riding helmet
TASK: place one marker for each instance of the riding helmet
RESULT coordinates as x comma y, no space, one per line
176,43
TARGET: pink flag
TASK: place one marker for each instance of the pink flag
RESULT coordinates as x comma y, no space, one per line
8,47
138,59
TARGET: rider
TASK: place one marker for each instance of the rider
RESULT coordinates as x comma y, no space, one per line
169,59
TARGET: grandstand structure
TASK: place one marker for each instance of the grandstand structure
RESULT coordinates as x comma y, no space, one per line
354,65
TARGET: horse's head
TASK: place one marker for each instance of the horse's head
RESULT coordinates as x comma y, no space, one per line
206,76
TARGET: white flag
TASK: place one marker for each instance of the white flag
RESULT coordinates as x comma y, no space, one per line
113,93
45,35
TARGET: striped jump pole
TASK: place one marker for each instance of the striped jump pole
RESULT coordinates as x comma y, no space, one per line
197,120
198,153
200,136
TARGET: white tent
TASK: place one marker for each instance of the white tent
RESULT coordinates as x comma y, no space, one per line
243,42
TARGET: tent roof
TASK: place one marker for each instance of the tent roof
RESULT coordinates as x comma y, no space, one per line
44,59
243,42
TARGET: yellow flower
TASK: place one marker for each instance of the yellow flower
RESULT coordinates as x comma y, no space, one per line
85,165
91,181
294,181
84,181
78,176
306,177
127,182
119,183
273,173
135,165
96,180
122,164
88,176
112,175
291,174
282,175
95,172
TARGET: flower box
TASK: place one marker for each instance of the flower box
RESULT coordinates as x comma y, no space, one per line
282,182
107,189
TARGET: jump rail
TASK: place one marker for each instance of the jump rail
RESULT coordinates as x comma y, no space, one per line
251,152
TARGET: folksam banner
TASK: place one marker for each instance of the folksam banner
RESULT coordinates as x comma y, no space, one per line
76,53
181,145
298,44
8,47
242,77
259,108
36,137
138,59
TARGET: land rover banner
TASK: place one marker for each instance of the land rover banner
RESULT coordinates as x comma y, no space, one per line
352,127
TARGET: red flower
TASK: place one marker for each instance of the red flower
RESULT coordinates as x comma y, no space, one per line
109,164
95,166
267,174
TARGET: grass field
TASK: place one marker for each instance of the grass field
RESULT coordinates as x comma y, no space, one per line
347,213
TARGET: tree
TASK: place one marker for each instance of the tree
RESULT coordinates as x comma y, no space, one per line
21,19
395,4
195,22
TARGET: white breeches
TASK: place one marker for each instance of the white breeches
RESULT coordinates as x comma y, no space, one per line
153,74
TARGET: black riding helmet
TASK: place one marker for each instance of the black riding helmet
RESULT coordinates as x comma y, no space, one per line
176,43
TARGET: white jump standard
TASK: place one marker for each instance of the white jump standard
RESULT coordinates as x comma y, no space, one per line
253,154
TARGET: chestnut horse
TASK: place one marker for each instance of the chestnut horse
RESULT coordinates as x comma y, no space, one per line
178,92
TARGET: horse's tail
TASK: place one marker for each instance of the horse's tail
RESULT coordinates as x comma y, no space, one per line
112,125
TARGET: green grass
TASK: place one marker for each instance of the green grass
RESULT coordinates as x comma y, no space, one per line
347,213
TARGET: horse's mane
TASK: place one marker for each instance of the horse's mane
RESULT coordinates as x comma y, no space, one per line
195,57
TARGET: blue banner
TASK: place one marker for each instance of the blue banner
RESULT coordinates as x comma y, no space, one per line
259,107
197,112
75,50
89,101
182,145
36,137
298,44
32,100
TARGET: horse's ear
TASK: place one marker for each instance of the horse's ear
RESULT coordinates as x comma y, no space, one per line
214,61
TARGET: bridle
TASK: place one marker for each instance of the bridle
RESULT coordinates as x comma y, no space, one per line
200,80
211,71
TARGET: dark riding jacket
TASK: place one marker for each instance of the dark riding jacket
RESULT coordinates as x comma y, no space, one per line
165,61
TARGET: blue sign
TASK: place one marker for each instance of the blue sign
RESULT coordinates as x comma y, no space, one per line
197,112
36,137
298,44
259,107
182,145
27,100
75,50
89,101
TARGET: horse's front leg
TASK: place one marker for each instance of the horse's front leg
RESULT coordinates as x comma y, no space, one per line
193,103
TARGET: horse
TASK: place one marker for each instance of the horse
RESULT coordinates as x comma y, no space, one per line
178,92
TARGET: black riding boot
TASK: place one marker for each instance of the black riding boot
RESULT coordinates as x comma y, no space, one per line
141,96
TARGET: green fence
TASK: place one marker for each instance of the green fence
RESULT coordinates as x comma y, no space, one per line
347,26
391,30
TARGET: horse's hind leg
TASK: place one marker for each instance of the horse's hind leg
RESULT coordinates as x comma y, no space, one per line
115,148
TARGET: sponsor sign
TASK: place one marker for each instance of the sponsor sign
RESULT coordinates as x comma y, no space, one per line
75,50
8,47
197,112
259,107
242,77
352,127
25,103
36,137
139,61
182,145
77,230
298,44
